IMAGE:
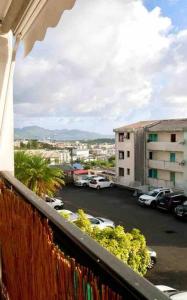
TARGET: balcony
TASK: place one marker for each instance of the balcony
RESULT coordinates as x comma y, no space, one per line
46,257
165,146
156,182
166,165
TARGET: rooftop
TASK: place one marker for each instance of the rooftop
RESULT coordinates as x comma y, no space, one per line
169,125
137,125
156,125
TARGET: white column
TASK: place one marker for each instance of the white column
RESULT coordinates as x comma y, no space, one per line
6,104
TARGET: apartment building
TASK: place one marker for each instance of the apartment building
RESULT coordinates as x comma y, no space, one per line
152,153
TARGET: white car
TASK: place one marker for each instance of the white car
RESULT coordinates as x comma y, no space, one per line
153,257
84,181
172,293
71,216
100,182
54,202
153,196
95,221
101,223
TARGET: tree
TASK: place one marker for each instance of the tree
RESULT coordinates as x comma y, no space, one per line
130,247
35,173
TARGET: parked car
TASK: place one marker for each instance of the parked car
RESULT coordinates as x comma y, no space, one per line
71,216
54,202
100,182
170,201
153,196
95,221
181,211
84,181
172,293
101,222
153,257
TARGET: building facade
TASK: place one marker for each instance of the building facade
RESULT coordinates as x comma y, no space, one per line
152,153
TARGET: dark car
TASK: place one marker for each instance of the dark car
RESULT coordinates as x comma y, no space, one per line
169,202
181,211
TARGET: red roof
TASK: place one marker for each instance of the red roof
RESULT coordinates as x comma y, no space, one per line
80,172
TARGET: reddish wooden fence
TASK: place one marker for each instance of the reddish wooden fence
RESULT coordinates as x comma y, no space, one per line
33,267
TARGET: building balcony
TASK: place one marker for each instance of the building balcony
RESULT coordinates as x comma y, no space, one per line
46,257
165,146
166,165
156,182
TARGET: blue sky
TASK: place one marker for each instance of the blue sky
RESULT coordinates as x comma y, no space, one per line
175,9
106,64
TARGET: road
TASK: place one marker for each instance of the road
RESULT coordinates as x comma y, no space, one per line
163,232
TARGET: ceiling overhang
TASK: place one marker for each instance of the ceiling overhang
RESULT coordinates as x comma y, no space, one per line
29,19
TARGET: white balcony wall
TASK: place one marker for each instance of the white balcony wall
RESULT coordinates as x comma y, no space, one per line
165,165
6,104
165,146
164,136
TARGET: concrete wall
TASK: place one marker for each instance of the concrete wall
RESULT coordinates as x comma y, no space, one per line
164,180
166,136
165,155
140,157
127,162
185,166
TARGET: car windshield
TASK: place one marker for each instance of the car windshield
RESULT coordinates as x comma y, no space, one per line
153,193
93,220
93,181
100,219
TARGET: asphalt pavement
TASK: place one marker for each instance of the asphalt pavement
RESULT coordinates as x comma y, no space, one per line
165,234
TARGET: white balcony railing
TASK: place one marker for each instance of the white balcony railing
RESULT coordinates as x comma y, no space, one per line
156,182
165,146
166,165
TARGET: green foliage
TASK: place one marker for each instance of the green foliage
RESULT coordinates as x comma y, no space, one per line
34,172
35,144
66,215
82,222
99,141
100,163
130,247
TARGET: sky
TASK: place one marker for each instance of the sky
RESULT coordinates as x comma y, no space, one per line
108,63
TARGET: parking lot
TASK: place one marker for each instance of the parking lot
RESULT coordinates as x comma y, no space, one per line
166,235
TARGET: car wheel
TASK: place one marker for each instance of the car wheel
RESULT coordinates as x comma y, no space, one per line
98,187
84,185
153,204
152,263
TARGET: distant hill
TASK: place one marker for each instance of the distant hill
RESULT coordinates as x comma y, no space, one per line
39,133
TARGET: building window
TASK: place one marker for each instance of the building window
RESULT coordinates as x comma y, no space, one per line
150,155
128,136
172,157
153,137
128,153
121,137
128,171
121,155
172,177
173,137
121,171
153,173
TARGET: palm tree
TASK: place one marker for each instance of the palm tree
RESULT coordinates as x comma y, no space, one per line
35,173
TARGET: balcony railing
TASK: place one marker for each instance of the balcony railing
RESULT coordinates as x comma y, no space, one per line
166,165
165,146
46,257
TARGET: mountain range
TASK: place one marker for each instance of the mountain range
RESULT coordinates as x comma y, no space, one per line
39,133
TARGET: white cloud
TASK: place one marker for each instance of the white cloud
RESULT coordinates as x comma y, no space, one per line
108,61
